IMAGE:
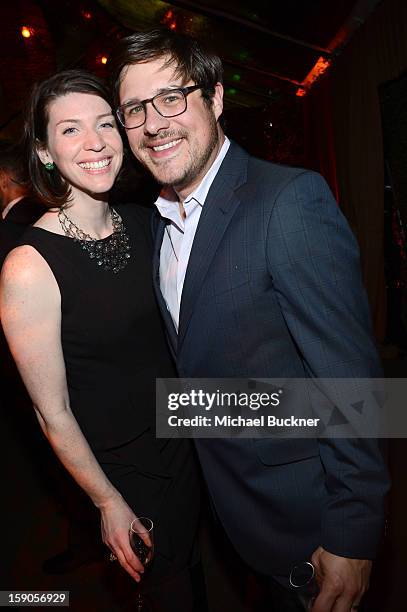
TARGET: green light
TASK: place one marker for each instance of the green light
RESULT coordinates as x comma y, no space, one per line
243,55
232,91
236,77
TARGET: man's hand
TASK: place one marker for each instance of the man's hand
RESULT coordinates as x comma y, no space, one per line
342,581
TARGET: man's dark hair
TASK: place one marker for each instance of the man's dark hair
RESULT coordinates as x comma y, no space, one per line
12,161
190,59
50,186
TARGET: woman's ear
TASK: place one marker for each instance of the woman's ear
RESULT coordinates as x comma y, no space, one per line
44,155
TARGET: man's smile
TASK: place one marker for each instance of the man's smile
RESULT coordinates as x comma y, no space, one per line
164,149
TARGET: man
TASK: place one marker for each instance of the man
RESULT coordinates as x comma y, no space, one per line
18,208
257,275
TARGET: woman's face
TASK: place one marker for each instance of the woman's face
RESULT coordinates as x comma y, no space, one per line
83,142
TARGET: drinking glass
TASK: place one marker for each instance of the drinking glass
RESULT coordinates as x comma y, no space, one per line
142,542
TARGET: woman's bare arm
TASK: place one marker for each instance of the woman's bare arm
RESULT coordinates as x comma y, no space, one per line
30,310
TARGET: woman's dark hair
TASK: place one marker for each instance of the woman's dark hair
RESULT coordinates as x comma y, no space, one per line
49,185
191,60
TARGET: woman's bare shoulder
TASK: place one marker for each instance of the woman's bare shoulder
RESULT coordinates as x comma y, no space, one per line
25,267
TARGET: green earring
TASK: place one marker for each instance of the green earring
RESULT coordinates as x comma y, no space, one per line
49,166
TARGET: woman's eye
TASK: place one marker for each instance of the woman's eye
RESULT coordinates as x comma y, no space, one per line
108,124
69,130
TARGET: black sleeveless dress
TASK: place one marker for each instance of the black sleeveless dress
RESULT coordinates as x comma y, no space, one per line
114,348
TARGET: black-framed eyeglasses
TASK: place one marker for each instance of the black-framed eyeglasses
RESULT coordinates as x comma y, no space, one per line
169,103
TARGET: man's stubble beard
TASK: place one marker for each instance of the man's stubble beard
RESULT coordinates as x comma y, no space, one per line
195,166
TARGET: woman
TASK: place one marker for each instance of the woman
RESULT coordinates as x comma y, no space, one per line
79,314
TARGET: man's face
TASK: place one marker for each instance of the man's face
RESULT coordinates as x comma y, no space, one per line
178,151
5,191
3,179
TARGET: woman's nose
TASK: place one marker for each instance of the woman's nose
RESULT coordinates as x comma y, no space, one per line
94,141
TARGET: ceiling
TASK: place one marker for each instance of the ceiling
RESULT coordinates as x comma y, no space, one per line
271,49
268,46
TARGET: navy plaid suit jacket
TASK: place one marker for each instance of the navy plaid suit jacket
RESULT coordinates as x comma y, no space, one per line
273,290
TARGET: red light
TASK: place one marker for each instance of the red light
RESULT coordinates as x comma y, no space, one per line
26,32
86,14
301,92
169,19
317,71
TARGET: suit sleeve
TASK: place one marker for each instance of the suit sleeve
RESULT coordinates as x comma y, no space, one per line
313,259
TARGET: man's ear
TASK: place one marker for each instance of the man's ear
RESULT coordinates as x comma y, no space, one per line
3,179
217,100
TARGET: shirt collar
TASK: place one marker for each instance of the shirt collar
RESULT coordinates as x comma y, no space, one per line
10,206
170,209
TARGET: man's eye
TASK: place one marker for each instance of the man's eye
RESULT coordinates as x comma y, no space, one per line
134,110
172,98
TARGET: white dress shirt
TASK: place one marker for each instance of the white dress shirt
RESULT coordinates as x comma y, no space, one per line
179,236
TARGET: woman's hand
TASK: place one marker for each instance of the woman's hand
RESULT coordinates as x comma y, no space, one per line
116,517
30,309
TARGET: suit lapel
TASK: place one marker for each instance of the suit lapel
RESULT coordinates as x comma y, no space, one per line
217,212
169,324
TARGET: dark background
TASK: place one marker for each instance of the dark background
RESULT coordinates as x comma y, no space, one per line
349,122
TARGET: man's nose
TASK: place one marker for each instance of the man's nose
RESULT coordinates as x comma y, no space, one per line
154,121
